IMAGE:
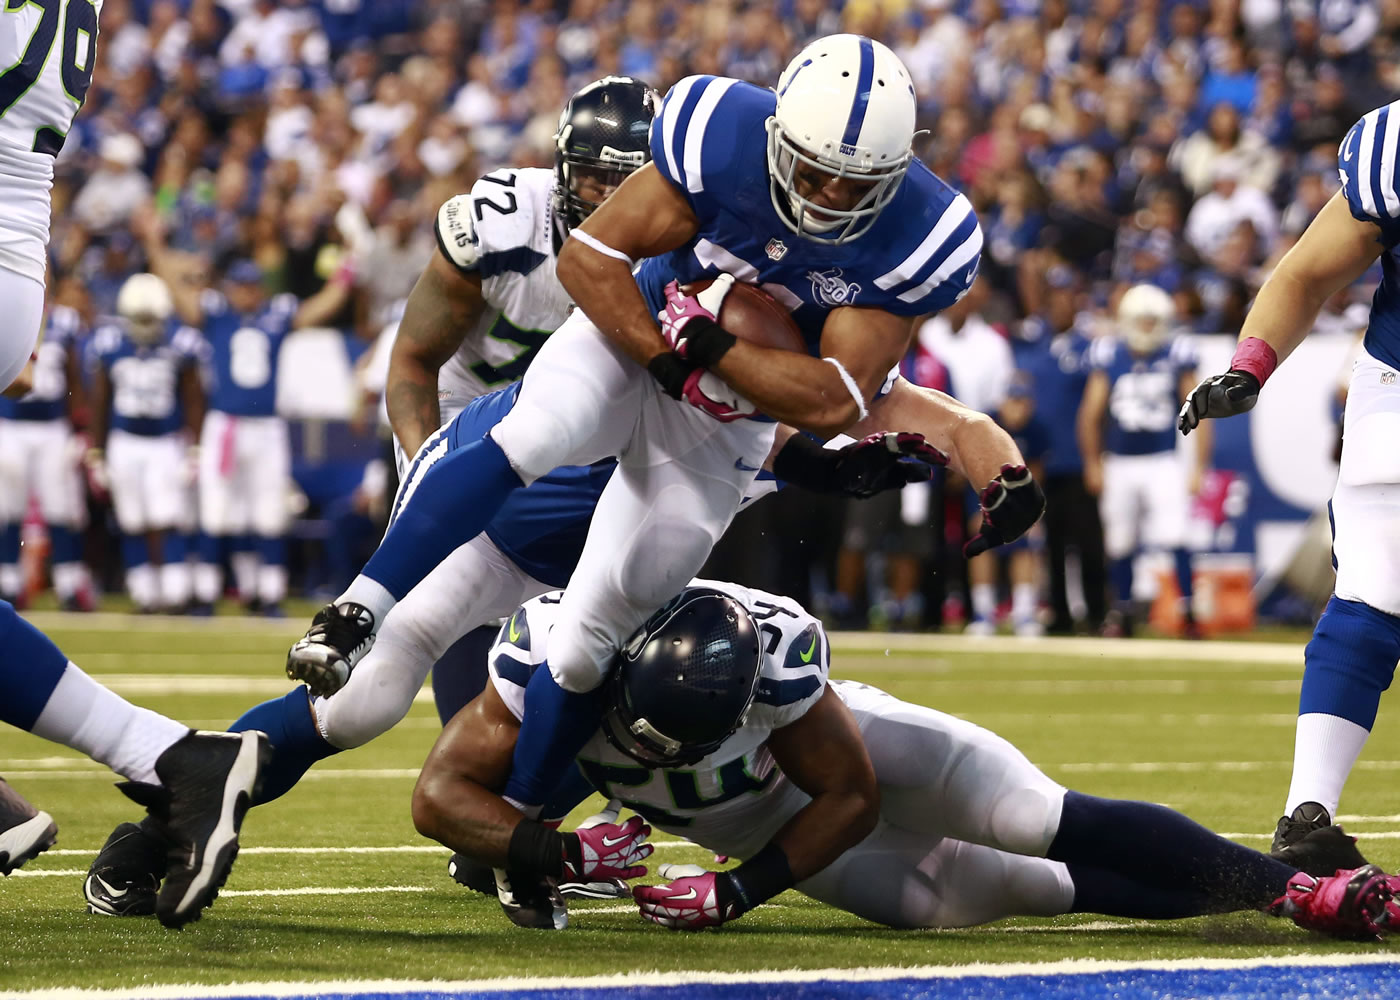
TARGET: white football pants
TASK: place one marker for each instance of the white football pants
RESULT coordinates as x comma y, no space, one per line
680,478
1146,501
24,316
37,456
245,474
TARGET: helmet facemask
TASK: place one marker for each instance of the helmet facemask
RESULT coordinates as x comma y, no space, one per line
788,163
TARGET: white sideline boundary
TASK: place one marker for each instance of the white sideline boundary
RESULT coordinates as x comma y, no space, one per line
631,980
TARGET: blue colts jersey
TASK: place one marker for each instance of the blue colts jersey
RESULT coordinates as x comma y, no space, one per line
243,351
1369,161
146,378
1055,371
1142,394
711,142
48,400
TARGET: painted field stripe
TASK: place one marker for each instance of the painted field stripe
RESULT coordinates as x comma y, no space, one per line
1287,965
243,852
316,890
46,872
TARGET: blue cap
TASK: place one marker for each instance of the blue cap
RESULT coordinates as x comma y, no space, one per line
244,272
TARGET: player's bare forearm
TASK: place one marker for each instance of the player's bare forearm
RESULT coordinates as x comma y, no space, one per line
454,801
646,217
101,406
976,447
1089,422
192,400
442,307
822,754
1333,251
805,392
326,304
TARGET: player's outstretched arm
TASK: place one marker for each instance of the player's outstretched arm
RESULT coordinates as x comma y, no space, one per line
1333,251
822,754
444,304
455,802
1089,430
646,216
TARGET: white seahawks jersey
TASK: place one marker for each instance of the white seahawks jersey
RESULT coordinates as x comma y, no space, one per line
49,47
503,231
730,800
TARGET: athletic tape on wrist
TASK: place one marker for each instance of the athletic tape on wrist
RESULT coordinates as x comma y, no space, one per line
1256,357
850,385
596,244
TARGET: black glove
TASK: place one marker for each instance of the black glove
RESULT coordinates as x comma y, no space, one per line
671,370
1011,504
1219,396
880,462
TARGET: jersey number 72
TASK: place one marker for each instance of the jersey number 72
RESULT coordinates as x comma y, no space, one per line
79,19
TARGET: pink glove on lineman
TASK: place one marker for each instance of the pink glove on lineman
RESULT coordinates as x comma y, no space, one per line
608,850
687,903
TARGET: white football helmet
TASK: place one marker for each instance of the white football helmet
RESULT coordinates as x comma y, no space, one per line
845,107
144,302
1145,314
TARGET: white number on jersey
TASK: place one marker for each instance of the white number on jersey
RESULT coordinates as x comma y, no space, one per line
250,358
38,95
143,388
1144,401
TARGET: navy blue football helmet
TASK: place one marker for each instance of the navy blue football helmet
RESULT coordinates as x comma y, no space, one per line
684,681
605,131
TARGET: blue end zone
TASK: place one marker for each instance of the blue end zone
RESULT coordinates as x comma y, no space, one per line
1319,977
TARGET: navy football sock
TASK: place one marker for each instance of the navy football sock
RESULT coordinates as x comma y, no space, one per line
451,505
30,668
1181,561
462,672
66,545
557,724
1160,847
1097,890
296,742
1120,576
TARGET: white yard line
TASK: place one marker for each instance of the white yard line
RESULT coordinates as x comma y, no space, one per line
1287,964
316,890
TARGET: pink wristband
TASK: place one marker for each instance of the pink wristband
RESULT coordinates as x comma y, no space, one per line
1256,357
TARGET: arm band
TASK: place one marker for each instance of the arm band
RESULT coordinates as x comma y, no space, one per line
596,244
706,342
1256,357
850,385
759,879
537,849
806,464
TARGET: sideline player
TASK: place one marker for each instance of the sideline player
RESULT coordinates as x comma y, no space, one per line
148,400
1130,458
719,725
1351,658
812,193
37,456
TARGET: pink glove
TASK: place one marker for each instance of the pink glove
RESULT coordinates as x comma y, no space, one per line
685,904
706,391
682,309
609,851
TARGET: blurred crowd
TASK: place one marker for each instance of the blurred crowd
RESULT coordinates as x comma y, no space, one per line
1104,143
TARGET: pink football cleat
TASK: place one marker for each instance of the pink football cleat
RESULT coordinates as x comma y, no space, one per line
1354,904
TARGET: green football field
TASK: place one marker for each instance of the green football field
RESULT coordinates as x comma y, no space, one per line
334,884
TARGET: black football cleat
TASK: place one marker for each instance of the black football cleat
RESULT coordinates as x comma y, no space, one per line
339,637
1309,816
473,874
1321,851
531,901
25,832
126,874
207,781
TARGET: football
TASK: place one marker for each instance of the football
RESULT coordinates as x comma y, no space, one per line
751,314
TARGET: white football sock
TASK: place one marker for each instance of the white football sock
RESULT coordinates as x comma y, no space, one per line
272,583
1023,601
11,579
984,601
86,716
208,582
143,585
372,594
175,585
245,574
1325,748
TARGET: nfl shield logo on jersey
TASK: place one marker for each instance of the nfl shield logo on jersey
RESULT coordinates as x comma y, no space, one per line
776,249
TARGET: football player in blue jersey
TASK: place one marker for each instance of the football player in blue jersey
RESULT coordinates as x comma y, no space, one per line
148,399
245,457
1126,437
1355,646
37,456
811,192
720,724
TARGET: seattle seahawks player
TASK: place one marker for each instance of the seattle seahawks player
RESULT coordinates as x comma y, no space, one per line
49,49
244,458
1131,464
719,725
812,193
148,400
37,455
1355,646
